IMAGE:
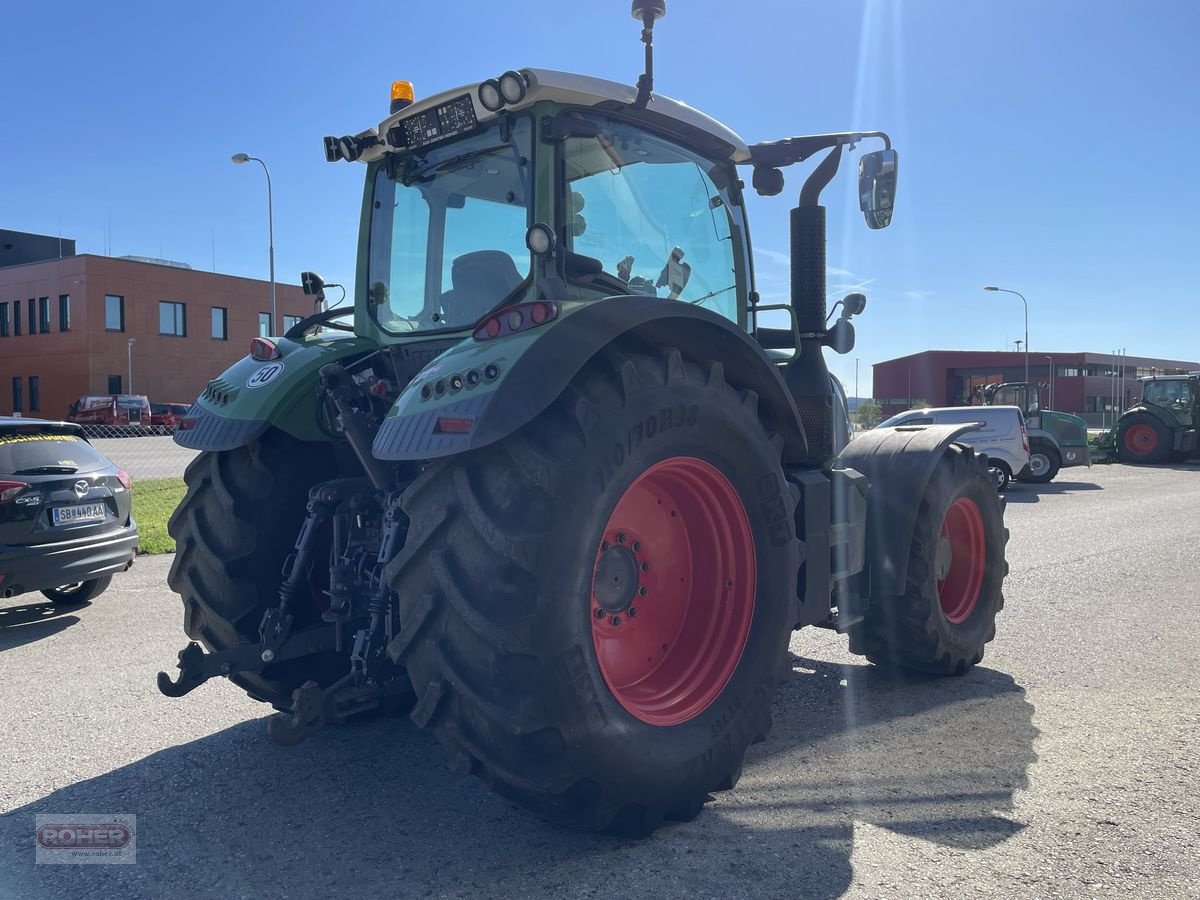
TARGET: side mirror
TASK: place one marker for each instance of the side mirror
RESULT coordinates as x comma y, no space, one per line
312,284
877,187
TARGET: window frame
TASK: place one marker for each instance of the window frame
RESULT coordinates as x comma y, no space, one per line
224,311
120,384
4,326
64,312
43,315
17,399
35,391
264,331
178,318
295,320
16,318
120,298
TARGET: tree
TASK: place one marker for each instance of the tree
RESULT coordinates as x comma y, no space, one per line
868,414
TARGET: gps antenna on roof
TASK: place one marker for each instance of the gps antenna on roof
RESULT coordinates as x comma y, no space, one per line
647,11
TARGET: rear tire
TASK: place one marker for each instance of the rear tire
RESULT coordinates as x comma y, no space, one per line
941,625
233,529
1143,440
1044,463
77,594
515,550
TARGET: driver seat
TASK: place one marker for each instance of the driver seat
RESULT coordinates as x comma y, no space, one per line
480,280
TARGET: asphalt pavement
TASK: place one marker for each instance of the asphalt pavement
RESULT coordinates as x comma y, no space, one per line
1063,766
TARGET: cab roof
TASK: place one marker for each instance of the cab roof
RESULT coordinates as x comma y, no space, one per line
581,90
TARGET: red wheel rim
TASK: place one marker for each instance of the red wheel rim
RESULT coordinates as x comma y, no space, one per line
1141,440
961,557
673,591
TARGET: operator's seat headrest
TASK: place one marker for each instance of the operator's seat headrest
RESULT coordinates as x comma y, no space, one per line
480,280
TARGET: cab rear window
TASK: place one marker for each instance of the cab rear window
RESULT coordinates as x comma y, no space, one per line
21,452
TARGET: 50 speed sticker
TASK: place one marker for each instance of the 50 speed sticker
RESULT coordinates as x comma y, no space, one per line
265,375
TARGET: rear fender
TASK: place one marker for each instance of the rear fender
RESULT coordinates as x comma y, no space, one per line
898,462
532,368
251,396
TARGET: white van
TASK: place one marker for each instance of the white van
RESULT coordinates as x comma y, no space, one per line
1001,435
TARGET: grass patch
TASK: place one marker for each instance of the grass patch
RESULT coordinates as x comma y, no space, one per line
153,503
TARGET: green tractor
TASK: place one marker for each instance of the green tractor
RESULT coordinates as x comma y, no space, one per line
543,487
1056,440
1162,426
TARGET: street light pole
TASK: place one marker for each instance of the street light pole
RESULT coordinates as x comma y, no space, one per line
129,387
239,158
856,395
1026,303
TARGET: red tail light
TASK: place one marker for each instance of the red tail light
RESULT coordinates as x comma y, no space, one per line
263,350
453,426
187,423
126,481
10,489
1024,438
513,319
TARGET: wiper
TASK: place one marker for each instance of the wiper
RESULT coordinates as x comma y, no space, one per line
419,167
711,294
48,470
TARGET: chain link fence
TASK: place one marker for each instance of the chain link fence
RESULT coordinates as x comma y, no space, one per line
144,456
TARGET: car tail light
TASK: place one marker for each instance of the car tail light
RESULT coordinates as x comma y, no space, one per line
263,350
1024,438
513,319
10,489
126,481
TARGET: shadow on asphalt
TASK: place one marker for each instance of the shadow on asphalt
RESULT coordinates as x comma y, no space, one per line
33,621
371,809
1027,492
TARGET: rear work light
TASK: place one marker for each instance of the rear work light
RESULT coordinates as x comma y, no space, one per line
263,350
513,319
10,489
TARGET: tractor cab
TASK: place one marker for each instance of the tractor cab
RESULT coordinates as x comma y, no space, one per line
1177,395
1056,440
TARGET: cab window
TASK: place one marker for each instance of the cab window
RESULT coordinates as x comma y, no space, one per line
652,214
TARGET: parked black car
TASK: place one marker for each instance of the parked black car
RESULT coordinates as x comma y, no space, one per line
66,524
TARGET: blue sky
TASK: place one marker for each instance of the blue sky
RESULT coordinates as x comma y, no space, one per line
1044,146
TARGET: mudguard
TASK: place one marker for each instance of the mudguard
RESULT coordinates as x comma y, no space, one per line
251,396
898,462
508,381
1163,415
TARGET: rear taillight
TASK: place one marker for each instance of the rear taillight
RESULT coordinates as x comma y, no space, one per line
10,489
126,481
513,319
1024,438
263,350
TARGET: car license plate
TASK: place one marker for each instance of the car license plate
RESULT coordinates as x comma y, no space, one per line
85,512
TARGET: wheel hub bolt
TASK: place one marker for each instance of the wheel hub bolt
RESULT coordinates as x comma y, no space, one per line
615,621
642,591
636,546
645,567
268,655
620,538
599,613
632,611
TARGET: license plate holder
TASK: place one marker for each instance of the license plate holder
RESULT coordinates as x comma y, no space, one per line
79,513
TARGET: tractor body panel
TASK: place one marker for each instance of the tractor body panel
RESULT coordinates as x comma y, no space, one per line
898,462
252,395
432,418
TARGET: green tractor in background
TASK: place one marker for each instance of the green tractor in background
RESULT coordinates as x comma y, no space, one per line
1162,426
543,486
1057,440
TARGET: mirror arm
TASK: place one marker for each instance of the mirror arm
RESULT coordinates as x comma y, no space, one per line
810,194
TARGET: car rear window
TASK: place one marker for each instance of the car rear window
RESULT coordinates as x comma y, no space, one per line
158,408
19,452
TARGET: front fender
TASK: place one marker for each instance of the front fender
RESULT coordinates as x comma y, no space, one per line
898,463
251,396
532,368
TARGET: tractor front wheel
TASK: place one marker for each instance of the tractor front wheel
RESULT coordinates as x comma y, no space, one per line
956,568
595,611
1143,439
1044,463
